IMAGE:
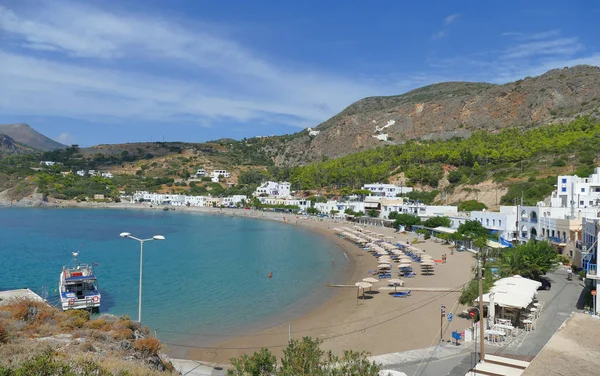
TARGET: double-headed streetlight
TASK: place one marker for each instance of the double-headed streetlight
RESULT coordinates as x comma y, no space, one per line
142,241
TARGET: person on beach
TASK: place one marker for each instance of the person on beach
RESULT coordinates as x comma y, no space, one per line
332,262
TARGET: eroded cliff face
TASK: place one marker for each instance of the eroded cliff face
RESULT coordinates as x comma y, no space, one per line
449,109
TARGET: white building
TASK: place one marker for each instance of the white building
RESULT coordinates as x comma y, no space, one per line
220,173
575,192
81,172
200,173
303,204
47,163
107,175
92,172
504,223
274,189
234,200
386,190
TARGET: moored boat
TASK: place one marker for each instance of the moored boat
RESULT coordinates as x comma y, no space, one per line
78,287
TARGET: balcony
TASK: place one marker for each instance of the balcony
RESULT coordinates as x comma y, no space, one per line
592,271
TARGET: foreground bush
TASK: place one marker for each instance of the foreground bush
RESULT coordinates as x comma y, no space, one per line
304,358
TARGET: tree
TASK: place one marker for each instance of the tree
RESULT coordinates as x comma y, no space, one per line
406,220
304,358
312,211
373,213
530,260
471,205
392,215
472,230
437,222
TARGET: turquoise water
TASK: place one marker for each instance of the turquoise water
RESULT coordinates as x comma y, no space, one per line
208,276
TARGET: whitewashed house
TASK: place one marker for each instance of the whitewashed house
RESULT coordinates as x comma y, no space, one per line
504,223
81,172
274,189
200,173
234,200
386,190
47,163
107,175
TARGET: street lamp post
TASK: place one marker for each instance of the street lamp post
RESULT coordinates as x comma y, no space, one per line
142,241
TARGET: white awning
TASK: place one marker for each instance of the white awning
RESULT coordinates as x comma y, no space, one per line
493,244
371,205
445,230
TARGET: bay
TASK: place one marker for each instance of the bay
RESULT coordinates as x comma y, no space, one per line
209,275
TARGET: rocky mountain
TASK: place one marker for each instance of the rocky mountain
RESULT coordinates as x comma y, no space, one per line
445,110
8,146
26,135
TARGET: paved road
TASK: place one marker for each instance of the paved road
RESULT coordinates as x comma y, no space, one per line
559,302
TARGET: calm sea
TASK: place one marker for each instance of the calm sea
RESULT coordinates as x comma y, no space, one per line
208,276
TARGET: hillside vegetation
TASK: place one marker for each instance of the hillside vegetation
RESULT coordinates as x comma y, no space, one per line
513,157
37,339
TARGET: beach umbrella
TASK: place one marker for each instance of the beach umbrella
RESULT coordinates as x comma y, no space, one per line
397,282
404,265
362,285
383,266
370,280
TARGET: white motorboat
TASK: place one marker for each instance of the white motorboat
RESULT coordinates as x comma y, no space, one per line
78,287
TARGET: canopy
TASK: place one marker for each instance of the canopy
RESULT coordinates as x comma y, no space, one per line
512,292
493,244
370,280
445,230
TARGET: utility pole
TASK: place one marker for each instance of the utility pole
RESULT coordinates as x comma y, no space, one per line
479,274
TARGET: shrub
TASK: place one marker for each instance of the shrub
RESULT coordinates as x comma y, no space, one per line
121,334
148,346
75,319
3,334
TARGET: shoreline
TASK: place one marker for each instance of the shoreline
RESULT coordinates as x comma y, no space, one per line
379,325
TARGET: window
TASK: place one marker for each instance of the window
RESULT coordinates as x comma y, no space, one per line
580,202
487,222
494,222
563,189
582,189
591,203
499,222
564,181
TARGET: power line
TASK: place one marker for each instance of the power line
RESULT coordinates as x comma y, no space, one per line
317,328
432,300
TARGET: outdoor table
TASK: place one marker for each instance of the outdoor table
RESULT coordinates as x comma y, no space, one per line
509,328
503,321
533,309
537,304
495,334
528,325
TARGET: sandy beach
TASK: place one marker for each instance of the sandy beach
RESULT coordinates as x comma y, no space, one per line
379,324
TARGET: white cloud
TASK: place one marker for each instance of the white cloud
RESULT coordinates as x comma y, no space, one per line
64,138
450,19
223,79
560,46
438,35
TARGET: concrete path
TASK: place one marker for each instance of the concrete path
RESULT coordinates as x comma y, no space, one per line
197,368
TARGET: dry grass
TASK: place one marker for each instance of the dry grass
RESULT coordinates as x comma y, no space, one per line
148,346
94,347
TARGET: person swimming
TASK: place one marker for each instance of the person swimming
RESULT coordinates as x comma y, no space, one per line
270,275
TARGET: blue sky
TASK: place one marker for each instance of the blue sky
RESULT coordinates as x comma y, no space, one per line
91,72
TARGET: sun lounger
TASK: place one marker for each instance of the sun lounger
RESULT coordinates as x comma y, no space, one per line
401,294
